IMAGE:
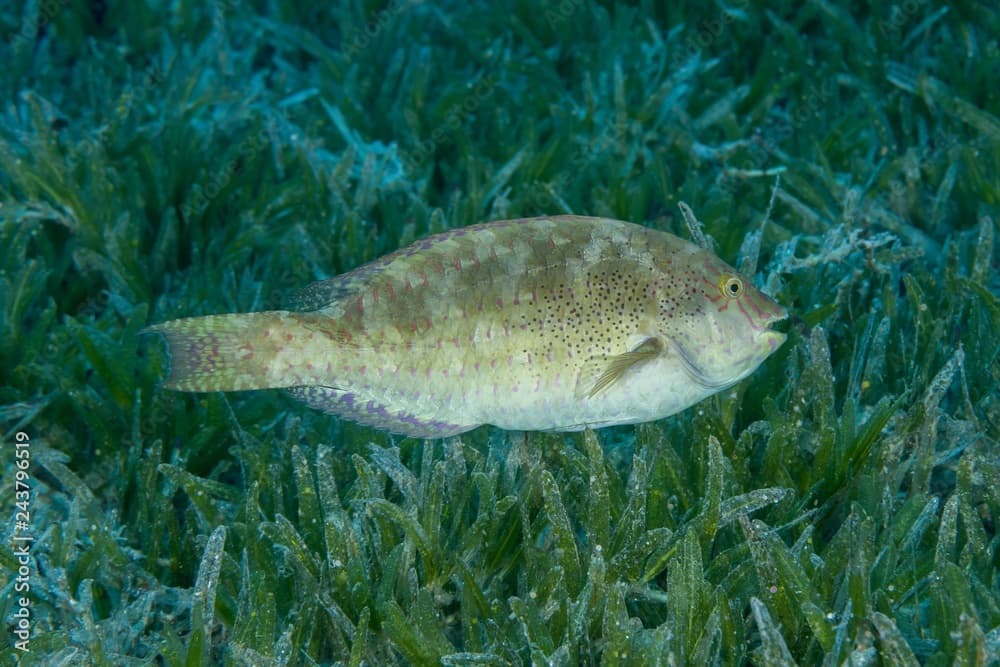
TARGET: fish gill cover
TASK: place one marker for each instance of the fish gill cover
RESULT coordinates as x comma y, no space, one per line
165,160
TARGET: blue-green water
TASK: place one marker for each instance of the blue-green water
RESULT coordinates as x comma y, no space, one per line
162,160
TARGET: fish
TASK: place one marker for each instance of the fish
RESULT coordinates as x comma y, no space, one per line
554,323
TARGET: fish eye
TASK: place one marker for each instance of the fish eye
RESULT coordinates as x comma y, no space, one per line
732,286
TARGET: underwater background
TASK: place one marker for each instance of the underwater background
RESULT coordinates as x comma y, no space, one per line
169,159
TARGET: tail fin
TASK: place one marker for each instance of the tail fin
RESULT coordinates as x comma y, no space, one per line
222,352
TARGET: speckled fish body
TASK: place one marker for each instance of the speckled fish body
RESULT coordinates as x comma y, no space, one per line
553,323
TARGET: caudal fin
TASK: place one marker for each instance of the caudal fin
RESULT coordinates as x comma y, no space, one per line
220,352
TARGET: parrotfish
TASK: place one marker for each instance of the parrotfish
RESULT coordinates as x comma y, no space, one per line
556,323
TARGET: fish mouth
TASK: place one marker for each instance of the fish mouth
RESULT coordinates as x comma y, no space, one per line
771,314
771,336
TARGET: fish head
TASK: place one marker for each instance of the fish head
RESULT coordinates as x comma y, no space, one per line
716,320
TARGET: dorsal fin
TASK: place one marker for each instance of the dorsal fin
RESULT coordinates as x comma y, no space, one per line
438,250
317,295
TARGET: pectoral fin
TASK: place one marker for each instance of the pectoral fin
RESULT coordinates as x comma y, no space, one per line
601,373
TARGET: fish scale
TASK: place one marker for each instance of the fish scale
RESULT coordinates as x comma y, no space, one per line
552,323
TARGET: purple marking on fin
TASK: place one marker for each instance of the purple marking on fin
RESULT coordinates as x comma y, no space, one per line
378,410
350,406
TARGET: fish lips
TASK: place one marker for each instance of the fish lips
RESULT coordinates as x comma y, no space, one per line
773,338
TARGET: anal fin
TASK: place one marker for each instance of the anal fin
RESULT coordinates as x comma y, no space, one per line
365,410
